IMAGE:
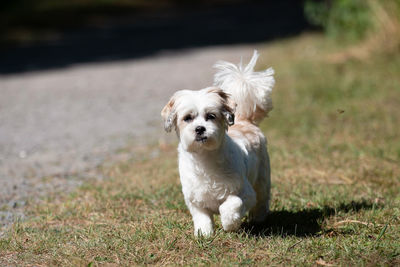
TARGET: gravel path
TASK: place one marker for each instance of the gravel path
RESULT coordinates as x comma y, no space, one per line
63,123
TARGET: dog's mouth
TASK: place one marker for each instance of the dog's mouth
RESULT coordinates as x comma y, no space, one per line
202,139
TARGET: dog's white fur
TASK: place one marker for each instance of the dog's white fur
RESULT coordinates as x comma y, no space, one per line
224,171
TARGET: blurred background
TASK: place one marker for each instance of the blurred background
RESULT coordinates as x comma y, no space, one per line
50,34
82,82
47,34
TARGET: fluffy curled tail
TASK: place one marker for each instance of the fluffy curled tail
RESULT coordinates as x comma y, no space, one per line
250,90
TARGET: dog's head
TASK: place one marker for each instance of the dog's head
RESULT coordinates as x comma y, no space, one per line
200,118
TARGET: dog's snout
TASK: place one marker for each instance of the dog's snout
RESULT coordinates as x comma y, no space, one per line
200,129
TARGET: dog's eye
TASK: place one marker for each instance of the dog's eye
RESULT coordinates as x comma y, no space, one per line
187,118
210,116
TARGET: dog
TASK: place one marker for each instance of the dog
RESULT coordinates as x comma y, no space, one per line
223,160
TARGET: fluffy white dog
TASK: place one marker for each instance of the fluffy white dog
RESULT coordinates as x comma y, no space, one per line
224,171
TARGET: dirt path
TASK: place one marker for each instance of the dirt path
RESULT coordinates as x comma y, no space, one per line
63,123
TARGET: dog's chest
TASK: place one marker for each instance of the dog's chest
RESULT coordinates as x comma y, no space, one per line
209,187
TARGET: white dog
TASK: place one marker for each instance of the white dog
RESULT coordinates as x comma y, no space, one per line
224,171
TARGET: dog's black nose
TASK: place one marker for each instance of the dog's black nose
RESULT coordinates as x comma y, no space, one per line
200,129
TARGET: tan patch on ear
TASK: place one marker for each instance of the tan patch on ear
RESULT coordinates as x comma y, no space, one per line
167,109
168,114
228,102
228,105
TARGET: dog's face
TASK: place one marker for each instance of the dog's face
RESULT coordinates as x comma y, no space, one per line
200,118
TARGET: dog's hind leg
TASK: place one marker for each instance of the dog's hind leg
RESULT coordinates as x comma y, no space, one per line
261,209
263,191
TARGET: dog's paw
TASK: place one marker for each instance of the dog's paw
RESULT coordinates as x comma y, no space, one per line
231,213
205,230
231,222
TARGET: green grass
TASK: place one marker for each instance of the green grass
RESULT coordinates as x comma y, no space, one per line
335,153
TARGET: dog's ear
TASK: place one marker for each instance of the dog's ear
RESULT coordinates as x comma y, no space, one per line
168,114
228,105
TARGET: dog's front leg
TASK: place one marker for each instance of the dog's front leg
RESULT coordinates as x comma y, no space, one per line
234,208
231,212
202,219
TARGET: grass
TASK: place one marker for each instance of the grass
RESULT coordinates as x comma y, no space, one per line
335,153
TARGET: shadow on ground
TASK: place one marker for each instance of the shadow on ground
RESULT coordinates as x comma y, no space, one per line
142,35
300,223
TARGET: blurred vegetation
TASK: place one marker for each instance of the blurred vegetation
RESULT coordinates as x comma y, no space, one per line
370,26
350,19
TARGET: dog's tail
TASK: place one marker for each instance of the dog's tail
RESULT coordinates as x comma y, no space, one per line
250,90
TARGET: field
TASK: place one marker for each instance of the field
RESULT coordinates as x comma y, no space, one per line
335,151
